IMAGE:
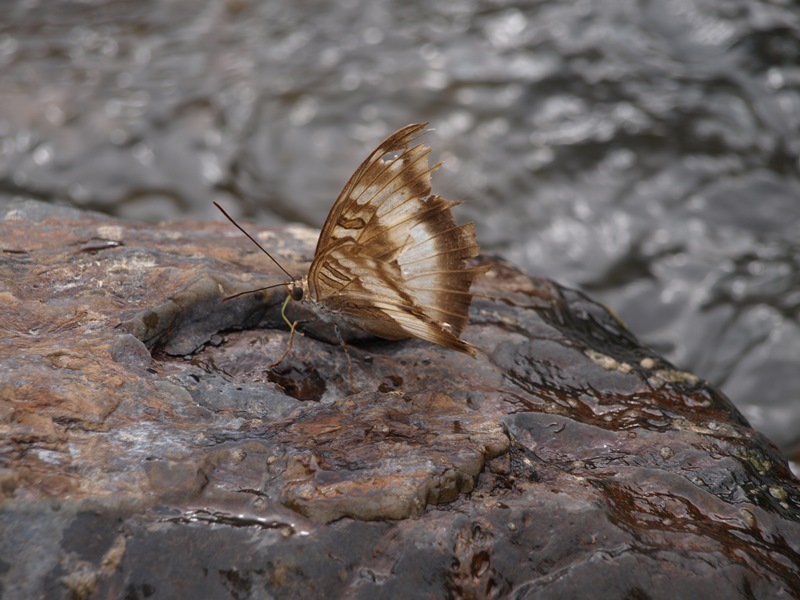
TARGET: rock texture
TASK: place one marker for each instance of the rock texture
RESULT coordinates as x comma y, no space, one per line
149,450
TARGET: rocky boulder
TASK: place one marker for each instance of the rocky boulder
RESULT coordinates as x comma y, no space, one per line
151,450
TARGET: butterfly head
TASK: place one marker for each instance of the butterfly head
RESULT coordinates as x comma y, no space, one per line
296,290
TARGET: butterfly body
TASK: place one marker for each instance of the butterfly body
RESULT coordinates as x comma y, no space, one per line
391,259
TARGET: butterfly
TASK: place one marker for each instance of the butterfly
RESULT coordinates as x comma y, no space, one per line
391,259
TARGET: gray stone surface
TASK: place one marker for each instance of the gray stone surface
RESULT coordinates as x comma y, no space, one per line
149,450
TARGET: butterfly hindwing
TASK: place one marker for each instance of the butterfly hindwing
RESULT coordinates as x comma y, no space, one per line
390,258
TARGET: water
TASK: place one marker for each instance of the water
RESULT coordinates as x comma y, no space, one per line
647,152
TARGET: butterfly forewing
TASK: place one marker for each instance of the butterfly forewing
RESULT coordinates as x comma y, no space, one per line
377,187
391,259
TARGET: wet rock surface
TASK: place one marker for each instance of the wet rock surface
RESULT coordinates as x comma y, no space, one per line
149,450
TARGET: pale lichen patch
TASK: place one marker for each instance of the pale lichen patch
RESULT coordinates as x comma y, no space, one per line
607,362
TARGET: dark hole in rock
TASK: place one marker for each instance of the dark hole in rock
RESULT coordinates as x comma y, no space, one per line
390,383
301,383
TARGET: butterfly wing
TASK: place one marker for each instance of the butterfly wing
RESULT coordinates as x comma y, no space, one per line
373,300
391,258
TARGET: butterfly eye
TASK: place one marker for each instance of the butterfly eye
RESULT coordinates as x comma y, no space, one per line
296,293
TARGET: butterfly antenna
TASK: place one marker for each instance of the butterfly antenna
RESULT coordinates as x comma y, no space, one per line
269,287
260,247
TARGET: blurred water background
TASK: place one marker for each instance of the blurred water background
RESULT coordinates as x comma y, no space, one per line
647,152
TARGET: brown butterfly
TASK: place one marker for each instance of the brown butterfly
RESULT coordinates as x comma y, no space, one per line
390,259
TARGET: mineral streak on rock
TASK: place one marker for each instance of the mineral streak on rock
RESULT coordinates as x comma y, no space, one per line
148,449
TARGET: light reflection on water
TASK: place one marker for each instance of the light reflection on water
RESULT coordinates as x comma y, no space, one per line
647,153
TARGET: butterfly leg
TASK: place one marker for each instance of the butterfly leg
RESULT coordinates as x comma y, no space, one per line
288,347
291,324
347,354
292,327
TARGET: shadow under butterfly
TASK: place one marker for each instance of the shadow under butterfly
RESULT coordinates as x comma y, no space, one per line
390,259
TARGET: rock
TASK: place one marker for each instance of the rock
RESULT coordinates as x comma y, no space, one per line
149,449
